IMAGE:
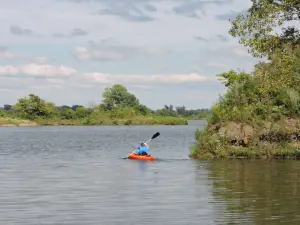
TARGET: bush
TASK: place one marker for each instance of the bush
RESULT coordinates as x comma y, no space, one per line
81,112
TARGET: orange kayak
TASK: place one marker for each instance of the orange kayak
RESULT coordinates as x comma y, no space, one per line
140,157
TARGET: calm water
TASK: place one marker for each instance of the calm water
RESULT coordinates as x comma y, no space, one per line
76,175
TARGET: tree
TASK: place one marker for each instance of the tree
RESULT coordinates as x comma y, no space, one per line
118,96
63,107
170,108
7,107
81,112
167,111
2,112
142,109
262,18
181,110
67,114
228,78
74,107
32,107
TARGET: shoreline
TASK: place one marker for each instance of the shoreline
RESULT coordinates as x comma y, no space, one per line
13,122
45,125
19,125
240,140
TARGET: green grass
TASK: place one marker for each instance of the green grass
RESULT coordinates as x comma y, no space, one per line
116,121
14,121
100,120
210,145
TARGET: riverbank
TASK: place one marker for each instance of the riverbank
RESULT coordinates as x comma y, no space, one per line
11,122
142,120
259,115
259,139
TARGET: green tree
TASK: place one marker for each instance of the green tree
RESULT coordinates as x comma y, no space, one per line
170,108
167,111
257,28
74,107
7,107
2,113
181,110
81,112
32,107
142,109
118,96
228,78
67,114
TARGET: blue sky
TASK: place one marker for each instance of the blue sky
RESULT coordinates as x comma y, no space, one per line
165,52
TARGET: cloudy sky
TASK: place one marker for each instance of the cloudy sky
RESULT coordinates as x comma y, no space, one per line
163,51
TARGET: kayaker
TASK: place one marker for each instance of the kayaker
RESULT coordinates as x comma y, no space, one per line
143,149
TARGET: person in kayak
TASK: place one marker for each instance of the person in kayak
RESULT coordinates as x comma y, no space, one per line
143,149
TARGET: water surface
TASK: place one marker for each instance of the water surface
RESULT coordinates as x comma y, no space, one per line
77,175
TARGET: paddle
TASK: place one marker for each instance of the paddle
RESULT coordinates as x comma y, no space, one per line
153,137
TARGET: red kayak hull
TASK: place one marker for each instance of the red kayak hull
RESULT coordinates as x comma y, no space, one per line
140,157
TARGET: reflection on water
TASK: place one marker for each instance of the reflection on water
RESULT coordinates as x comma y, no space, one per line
264,192
143,166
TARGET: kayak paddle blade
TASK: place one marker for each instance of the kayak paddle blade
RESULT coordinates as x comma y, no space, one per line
155,135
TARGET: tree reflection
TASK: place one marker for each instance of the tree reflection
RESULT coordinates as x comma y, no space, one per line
265,191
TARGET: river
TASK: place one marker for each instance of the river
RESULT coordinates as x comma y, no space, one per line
77,175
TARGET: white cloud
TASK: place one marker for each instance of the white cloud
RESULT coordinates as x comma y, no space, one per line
83,53
47,70
154,46
5,54
38,70
40,60
8,70
143,79
106,50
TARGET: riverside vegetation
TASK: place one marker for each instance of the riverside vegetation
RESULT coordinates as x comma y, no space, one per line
259,115
119,107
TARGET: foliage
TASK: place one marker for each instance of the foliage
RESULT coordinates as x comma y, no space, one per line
7,107
268,95
122,112
117,107
257,27
231,77
271,92
118,96
181,111
167,111
32,107
142,109
81,112
67,114
2,113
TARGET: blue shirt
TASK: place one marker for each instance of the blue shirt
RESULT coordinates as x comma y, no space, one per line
142,149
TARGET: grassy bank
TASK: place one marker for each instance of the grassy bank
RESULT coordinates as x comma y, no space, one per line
6,121
265,139
141,120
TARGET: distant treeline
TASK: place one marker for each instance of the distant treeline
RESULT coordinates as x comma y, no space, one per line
117,103
169,110
69,112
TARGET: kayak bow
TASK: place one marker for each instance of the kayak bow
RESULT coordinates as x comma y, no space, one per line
140,157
